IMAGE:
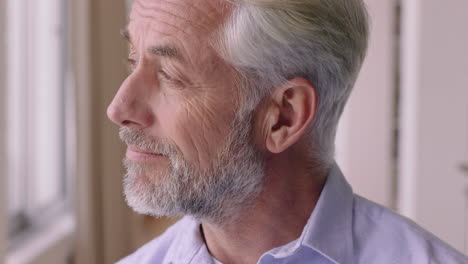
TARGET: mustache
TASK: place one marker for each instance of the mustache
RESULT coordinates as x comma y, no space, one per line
147,143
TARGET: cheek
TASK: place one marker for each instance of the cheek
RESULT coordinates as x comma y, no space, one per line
198,126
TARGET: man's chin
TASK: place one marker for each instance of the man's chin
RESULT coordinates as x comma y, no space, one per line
144,210
147,195
138,197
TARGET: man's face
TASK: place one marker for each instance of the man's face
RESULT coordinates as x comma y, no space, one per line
189,148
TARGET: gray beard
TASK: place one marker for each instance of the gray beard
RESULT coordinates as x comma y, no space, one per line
214,195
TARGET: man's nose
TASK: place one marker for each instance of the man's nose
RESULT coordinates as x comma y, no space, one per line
130,106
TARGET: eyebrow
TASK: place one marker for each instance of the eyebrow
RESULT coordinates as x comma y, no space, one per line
165,51
162,50
124,33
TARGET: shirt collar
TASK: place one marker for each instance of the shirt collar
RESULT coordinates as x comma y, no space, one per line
188,245
329,228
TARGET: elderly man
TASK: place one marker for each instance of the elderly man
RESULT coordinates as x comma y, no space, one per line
230,115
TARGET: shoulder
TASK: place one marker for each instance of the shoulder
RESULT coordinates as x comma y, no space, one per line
155,251
382,236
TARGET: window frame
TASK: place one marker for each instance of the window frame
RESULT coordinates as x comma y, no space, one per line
3,182
46,241
29,216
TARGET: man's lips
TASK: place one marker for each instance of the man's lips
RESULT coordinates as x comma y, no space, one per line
137,154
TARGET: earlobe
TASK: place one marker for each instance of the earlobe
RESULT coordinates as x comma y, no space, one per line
290,115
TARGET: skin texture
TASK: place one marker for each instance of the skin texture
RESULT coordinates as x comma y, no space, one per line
181,101
187,100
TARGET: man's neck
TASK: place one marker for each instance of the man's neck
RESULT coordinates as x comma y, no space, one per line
277,217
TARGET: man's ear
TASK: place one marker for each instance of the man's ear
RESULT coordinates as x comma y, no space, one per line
290,114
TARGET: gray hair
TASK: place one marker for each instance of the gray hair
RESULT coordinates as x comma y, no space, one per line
269,42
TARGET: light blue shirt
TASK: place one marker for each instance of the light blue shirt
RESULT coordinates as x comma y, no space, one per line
343,228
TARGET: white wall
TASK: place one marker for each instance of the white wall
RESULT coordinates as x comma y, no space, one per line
434,126
3,183
425,182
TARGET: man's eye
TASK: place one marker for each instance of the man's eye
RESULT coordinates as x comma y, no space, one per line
168,78
164,75
131,64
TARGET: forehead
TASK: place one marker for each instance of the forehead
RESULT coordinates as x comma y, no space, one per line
179,18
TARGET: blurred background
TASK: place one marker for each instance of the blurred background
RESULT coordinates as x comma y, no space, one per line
402,141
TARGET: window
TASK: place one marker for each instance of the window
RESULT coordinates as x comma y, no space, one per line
39,117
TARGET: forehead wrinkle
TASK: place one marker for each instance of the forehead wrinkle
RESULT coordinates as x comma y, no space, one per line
177,43
151,18
213,10
196,14
197,20
190,4
183,4
154,10
219,8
